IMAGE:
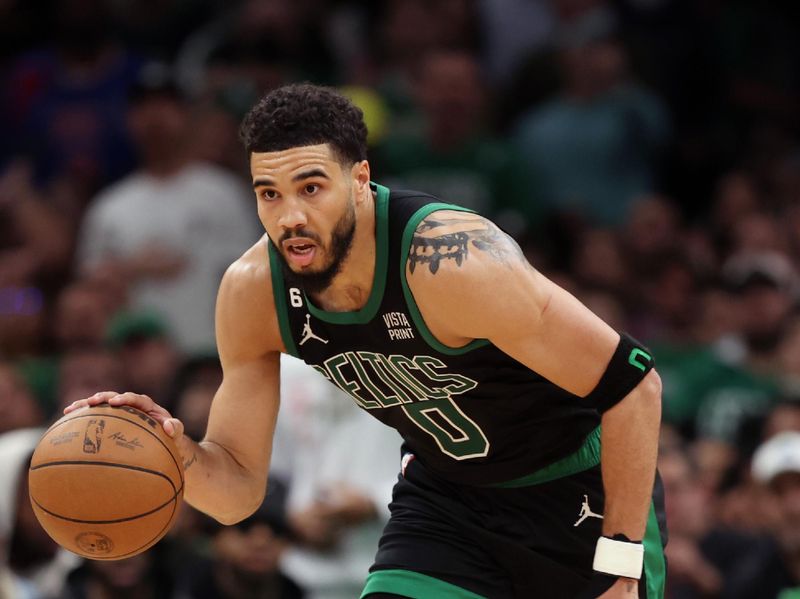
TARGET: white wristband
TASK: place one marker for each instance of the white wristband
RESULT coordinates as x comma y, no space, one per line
619,558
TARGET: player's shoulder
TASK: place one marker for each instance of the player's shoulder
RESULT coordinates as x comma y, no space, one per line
450,243
250,273
246,288
245,304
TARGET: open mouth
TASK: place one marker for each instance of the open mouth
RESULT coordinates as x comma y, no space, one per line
301,249
300,252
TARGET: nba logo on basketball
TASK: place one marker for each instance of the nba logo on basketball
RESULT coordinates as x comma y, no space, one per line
93,436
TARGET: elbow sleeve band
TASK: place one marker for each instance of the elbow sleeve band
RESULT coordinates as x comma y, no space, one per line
628,366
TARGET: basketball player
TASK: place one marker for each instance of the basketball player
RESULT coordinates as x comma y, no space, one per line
432,320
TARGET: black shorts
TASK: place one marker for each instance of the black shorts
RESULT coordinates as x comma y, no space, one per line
449,541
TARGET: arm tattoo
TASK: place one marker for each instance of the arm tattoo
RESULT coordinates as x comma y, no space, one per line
429,247
188,463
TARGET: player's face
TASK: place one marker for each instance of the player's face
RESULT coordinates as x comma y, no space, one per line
306,204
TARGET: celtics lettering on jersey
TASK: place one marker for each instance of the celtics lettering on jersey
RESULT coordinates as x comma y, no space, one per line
420,386
473,405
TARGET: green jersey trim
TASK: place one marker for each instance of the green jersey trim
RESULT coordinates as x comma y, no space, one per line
587,456
414,585
416,315
370,309
279,293
654,564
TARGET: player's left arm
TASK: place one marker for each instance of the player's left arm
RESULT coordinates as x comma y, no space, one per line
480,286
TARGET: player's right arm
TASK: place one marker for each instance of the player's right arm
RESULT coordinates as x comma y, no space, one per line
226,472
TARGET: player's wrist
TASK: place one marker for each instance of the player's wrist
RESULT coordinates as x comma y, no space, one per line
619,556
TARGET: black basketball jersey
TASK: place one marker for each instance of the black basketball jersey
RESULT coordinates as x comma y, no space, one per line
473,414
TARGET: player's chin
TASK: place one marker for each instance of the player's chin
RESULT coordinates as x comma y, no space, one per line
314,269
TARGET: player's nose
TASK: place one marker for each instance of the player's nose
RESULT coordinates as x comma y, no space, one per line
293,214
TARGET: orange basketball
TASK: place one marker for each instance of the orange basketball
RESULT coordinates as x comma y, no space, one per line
106,482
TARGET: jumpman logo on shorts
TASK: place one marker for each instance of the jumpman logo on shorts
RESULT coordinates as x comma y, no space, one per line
586,511
308,333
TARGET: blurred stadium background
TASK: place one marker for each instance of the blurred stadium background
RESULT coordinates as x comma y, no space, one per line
645,153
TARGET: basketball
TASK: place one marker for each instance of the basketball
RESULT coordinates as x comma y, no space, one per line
106,482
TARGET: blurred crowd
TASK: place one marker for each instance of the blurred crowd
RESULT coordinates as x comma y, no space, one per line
645,153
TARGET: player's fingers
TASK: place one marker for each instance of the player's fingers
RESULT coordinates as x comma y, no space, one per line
140,402
97,398
173,427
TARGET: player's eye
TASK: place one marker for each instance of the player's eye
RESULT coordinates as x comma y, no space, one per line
269,194
311,188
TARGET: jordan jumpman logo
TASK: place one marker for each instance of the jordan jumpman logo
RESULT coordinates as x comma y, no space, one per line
586,511
308,333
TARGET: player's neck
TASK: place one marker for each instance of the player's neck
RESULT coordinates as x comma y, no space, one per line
351,288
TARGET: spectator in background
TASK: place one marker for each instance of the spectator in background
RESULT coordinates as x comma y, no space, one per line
788,356
18,406
171,228
35,241
400,34
670,289
513,28
783,417
142,576
405,31
245,557
598,262
32,555
704,558
65,104
83,311
454,155
774,573
196,383
652,230
194,386
766,284
77,322
144,346
737,196
81,370
723,386
11,586
340,467
156,29
593,148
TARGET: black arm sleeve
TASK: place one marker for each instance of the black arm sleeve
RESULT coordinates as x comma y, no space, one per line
629,365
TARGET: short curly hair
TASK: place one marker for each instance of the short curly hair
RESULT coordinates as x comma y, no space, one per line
304,115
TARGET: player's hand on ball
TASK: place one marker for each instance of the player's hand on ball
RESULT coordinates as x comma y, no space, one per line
172,426
106,480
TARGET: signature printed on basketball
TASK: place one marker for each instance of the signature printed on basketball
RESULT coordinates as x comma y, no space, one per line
122,441
64,438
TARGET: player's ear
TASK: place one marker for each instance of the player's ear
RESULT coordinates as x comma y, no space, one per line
361,177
